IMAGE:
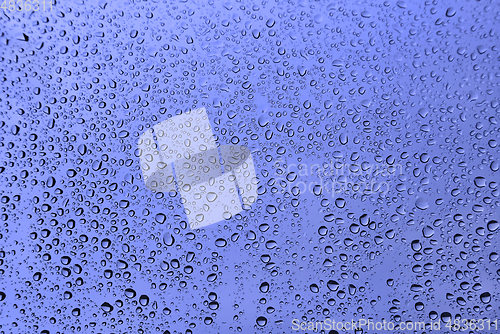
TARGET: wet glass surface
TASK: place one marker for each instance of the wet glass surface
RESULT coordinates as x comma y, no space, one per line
373,131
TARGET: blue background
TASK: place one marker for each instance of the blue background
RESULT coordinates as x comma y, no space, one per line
402,94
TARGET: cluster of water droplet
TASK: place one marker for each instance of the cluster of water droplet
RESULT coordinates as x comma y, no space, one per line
412,86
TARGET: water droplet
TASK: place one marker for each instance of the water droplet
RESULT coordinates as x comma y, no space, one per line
422,204
220,242
428,231
450,12
261,321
